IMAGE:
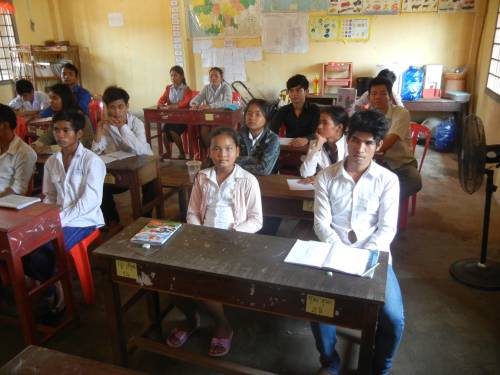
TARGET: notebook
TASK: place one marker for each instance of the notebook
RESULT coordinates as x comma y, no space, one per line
17,201
156,232
117,155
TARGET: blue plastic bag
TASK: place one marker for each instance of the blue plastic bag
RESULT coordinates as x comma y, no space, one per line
445,135
412,83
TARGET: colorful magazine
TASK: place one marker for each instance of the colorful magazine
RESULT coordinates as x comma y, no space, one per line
156,232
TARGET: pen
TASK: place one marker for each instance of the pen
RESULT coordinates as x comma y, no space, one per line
369,270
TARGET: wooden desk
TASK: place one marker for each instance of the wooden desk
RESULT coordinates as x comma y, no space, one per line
22,232
290,159
43,361
192,118
238,269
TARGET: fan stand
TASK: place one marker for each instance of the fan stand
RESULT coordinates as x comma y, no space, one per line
483,274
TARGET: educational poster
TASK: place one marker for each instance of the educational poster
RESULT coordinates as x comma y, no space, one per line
220,18
323,28
381,6
293,5
416,6
456,5
285,33
345,6
354,29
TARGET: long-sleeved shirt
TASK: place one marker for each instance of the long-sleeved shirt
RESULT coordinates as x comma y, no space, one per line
247,203
82,97
214,97
258,156
77,191
48,139
316,160
130,137
180,96
17,165
303,126
40,101
369,207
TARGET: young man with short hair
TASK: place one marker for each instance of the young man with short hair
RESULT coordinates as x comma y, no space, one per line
69,76
17,159
27,98
300,118
356,204
363,101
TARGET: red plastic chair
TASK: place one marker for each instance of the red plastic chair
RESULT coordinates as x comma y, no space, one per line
80,261
21,128
96,108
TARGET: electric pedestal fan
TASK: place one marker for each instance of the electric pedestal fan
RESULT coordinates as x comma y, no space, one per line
475,160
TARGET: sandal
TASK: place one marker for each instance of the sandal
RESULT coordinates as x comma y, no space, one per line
219,347
178,337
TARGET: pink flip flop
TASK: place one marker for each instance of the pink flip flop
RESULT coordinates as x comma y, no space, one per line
219,347
178,337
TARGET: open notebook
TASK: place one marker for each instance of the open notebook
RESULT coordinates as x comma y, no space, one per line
342,258
17,201
117,155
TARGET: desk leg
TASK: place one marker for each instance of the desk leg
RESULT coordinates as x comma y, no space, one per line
191,136
135,197
160,207
147,129
368,339
160,139
153,302
182,203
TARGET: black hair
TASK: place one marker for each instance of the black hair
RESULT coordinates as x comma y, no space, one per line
71,67
379,81
8,115
64,92
73,116
178,69
217,69
370,121
263,106
337,113
113,93
387,74
297,80
230,132
23,86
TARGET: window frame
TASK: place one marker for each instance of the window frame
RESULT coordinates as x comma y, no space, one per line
494,60
11,29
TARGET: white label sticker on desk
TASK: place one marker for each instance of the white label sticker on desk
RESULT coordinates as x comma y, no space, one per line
320,306
126,269
209,117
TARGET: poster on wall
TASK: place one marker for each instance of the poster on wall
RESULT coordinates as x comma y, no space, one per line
345,6
416,6
354,29
294,6
323,28
381,6
456,5
223,18
284,33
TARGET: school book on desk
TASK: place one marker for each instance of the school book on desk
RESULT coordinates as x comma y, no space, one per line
17,201
341,258
156,232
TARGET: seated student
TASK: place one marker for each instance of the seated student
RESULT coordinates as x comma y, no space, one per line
259,146
227,197
27,98
17,159
176,95
300,118
217,94
356,204
396,149
329,145
362,102
119,130
61,98
69,76
73,179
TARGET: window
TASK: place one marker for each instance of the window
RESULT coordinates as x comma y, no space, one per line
493,82
8,38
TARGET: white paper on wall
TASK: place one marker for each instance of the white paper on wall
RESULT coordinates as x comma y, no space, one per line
253,54
285,33
200,45
115,19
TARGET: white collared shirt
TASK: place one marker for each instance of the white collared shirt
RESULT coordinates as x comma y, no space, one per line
77,191
368,207
130,137
254,140
40,101
17,165
320,158
214,97
400,153
220,210
176,93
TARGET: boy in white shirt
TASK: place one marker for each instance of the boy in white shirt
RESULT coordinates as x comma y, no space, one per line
119,130
27,98
17,159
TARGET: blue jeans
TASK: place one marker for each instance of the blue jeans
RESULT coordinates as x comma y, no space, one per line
389,331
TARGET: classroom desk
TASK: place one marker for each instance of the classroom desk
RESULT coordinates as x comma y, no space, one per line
43,361
238,269
290,159
192,118
22,232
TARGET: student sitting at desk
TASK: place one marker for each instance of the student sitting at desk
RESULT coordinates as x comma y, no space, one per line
259,146
176,95
299,118
217,94
363,102
27,99
61,98
329,145
119,130
73,179
396,149
69,76
17,159
227,197
356,204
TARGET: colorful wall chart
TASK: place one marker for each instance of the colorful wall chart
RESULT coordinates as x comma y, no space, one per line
456,5
354,29
381,6
416,6
323,28
293,5
345,6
